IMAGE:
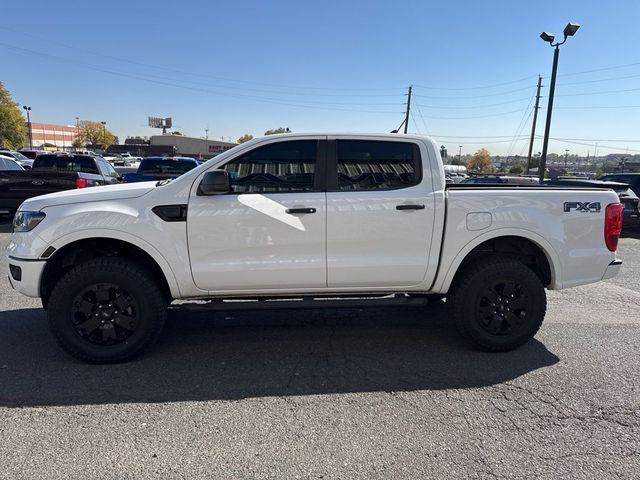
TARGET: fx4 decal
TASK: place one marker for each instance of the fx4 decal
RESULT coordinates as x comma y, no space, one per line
585,207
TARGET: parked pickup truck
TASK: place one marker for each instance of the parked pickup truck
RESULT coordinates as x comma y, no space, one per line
161,168
53,173
297,216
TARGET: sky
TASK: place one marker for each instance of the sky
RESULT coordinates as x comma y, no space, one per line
248,66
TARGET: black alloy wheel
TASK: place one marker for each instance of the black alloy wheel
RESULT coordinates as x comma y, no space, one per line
105,314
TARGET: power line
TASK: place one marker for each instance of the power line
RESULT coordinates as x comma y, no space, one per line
475,116
598,93
466,107
423,120
478,87
276,101
596,107
599,145
466,97
610,79
614,67
183,72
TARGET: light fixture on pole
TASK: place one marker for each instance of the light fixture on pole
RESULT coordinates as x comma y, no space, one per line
569,31
28,109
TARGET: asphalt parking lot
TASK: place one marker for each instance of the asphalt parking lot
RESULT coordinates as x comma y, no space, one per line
358,393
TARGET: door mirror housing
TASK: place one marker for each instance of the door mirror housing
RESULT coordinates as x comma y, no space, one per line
214,182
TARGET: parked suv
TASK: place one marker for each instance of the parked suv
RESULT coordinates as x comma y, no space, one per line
631,179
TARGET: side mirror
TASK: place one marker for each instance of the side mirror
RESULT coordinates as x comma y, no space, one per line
214,182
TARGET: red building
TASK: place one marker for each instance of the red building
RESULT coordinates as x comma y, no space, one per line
61,136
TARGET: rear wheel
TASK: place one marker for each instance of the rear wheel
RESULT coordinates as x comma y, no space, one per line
497,304
106,310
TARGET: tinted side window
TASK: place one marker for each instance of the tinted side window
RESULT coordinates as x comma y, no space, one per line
111,171
277,168
103,168
376,165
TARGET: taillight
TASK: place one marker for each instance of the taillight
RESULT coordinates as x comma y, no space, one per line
612,225
82,182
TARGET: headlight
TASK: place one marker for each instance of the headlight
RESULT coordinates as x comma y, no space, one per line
26,221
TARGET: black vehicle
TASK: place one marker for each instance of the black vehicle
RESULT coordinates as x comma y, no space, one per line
631,179
628,198
53,173
161,168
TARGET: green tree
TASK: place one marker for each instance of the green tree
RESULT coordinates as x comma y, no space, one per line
517,169
245,138
13,128
273,131
95,133
480,161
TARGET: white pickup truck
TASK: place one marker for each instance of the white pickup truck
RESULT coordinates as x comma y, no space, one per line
308,216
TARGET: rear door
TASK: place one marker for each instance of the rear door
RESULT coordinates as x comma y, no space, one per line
380,213
269,232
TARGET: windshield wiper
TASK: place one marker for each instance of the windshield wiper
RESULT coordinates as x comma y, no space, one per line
163,182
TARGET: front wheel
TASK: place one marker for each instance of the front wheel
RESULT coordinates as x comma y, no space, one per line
106,310
497,304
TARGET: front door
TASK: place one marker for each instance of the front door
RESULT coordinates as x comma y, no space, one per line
269,232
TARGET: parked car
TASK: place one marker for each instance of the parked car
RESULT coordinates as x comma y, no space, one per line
9,164
161,168
24,161
626,195
53,173
631,179
499,179
308,216
31,154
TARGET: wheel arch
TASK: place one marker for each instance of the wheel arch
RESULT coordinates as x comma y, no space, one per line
508,242
74,248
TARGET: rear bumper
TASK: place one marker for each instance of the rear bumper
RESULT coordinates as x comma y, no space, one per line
612,270
28,281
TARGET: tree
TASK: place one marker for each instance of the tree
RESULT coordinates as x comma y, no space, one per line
245,138
273,131
517,169
480,161
13,128
95,133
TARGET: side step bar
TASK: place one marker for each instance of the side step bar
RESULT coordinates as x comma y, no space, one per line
219,305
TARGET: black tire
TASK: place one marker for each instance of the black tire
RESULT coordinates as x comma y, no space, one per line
83,310
497,304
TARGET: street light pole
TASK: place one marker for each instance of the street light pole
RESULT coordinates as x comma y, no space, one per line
460,155
104,134
569,31
28,109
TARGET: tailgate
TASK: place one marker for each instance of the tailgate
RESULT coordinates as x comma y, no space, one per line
15,187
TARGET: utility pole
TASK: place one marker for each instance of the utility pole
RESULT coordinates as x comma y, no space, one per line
406,118
533,126
566,155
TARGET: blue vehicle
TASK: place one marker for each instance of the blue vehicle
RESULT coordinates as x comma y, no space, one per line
161,168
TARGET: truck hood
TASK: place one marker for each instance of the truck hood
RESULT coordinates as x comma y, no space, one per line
90,194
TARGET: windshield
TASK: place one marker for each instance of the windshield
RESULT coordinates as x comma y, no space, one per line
19,156
166,166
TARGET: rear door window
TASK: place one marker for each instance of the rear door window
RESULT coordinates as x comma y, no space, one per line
377,165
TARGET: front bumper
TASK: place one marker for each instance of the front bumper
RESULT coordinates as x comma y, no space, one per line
28,281
612,270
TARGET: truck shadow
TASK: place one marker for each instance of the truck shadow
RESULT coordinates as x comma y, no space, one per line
228,356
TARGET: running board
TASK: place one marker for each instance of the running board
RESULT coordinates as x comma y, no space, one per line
219,305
